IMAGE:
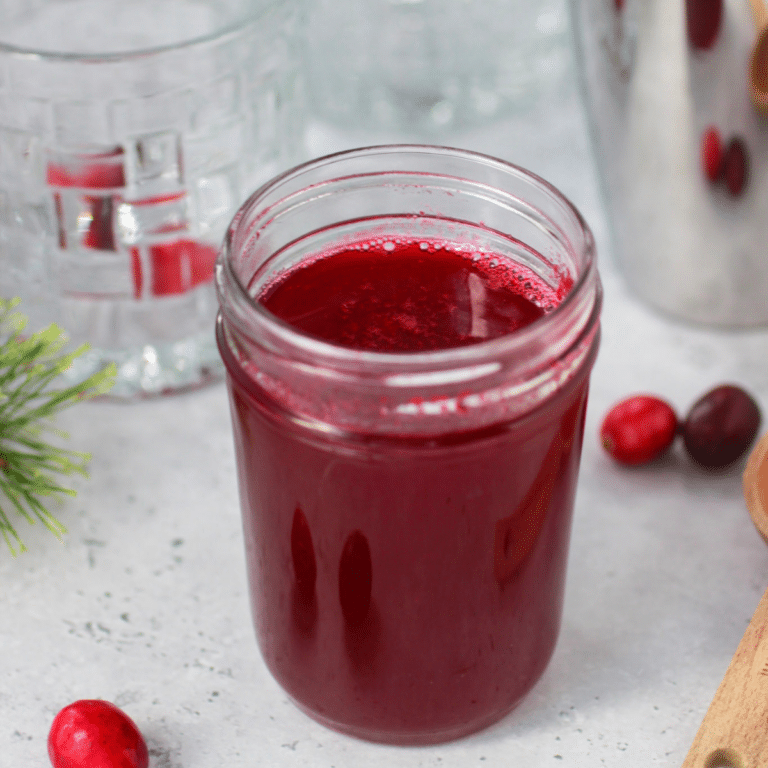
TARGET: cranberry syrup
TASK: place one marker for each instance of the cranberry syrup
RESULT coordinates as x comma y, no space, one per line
400,298
406,589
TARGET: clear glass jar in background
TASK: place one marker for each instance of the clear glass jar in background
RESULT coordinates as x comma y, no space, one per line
407,515
130,132
432,66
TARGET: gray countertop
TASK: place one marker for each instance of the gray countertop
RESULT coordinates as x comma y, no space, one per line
145,603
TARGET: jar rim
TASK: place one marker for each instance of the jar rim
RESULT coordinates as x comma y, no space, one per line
583,298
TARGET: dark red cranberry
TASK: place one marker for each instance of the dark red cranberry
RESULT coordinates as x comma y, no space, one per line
712,153
736,166
355,578
721,426
638,429
703,19
619,4
91,733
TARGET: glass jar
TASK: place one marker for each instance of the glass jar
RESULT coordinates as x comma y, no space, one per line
407,514
130,132
433,66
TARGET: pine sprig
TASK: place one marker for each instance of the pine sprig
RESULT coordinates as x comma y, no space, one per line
30,466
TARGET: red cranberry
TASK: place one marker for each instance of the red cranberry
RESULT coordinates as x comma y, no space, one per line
619,4
712,153
91,733
703,18
638,429
736,166
721,426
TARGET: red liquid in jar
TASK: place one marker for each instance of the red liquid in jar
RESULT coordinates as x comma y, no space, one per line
405,299
407,590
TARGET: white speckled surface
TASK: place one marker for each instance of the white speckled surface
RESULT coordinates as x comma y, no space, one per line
145,603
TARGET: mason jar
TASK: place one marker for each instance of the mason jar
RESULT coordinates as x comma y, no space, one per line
407,493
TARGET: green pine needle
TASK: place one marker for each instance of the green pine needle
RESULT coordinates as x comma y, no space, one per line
30,466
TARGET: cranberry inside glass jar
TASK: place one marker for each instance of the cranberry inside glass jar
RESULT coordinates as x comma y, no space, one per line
408,334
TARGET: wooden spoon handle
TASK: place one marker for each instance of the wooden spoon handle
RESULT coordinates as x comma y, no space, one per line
734,732
760,13
755,482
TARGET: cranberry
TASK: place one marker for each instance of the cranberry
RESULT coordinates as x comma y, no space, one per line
619,4
721,426
91,733
638,429
712,153
703,18
736,166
